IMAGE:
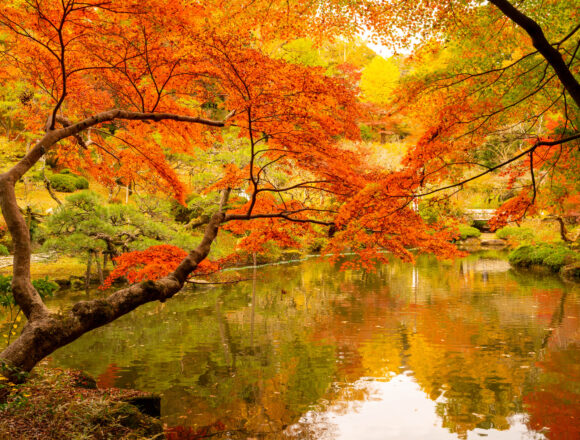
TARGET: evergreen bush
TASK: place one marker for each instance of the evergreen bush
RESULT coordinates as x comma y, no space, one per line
550,255
63,182
468,231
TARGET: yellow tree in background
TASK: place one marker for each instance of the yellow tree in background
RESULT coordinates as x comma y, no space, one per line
379,79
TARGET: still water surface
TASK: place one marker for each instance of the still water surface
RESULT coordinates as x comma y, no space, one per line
437,350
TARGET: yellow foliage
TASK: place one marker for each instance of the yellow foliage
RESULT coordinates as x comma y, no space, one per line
379,79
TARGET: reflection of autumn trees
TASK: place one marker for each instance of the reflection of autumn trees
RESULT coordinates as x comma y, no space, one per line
254,364
476,356
553,407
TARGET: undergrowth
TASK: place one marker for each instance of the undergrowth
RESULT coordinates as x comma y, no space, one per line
553,256
51,405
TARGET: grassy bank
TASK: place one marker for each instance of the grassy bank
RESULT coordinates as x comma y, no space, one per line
552,256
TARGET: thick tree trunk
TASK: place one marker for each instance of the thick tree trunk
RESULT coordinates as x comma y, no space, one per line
43,335
563,231
45,331
549,52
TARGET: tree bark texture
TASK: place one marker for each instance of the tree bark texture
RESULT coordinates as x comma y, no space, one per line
549,52
44,334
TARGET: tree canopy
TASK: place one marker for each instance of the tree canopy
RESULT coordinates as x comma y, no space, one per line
116,88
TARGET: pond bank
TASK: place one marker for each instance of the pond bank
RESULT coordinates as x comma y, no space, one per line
66,404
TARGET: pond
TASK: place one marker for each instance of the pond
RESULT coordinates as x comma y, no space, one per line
432,350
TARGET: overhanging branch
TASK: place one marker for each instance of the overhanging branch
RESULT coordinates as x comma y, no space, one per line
513,159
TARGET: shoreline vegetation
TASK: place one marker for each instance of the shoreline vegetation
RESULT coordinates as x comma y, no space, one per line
65,404
525,253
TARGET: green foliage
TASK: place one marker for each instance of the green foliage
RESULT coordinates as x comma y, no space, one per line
85,223
468,231
302,51
82,183
522,235
6,298
366,132
68,182
5,284
3,251
428,212
63,182
43,286
554,256
12,96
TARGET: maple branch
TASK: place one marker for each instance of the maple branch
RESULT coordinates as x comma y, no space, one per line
24,293
286,216
45,332
533,177
513,159
262,169
551,54
572,32
54,136
298,185
62,68
465,76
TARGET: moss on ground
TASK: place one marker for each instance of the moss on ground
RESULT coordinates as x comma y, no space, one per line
61,268
551,255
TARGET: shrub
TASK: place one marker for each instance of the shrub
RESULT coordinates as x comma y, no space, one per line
428,212
63,182
45,287
3,251
468,231
82,183
549,255
515,233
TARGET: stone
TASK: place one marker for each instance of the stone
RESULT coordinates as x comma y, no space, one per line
149,405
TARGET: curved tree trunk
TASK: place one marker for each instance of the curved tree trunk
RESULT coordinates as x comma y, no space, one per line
45,332
548,51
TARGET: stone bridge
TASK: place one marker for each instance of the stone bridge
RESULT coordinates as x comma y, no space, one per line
479,214
479,217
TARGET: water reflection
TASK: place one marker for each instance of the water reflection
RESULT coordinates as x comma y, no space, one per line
397,409
432,350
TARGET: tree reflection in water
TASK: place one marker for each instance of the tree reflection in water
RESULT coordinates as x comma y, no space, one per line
431,350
